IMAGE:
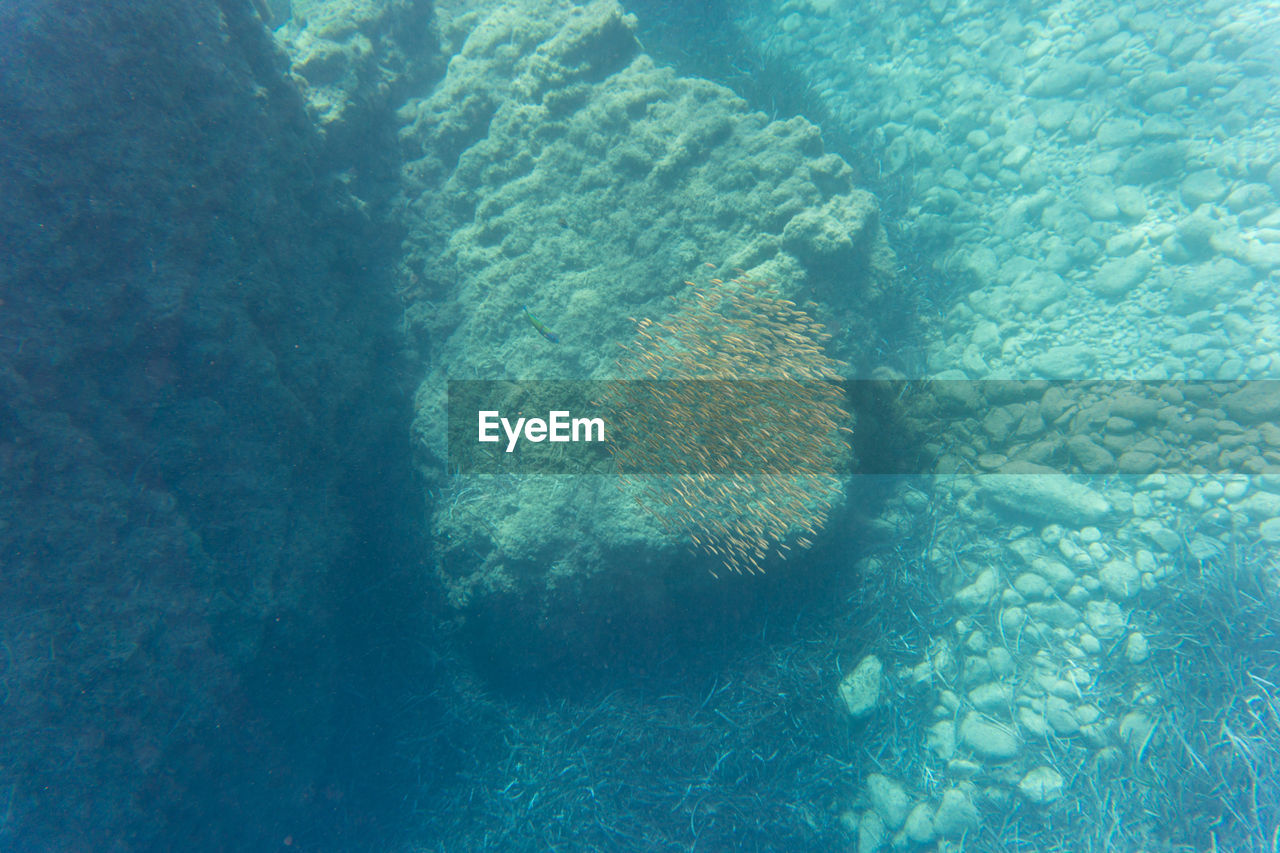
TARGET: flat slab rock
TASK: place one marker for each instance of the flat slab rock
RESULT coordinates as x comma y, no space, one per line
1026,489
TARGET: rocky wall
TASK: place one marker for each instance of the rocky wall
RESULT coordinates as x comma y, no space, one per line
188,333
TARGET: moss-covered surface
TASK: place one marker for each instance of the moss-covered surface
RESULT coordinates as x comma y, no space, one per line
556,166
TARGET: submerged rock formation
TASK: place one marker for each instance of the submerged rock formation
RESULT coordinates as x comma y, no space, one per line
556,166
184,355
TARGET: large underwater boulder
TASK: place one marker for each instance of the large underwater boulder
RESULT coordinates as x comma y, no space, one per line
556,166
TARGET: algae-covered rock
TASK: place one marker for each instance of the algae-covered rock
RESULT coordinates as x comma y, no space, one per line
342,50
556,166
838,235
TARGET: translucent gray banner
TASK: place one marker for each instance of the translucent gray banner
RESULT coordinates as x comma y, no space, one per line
870,427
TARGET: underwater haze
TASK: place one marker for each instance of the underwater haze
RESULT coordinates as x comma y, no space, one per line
935,349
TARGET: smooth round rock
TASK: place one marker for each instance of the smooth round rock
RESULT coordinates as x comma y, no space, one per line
956,814
889,799
1120,578
1203,187
1131,201
1041,785
988,738
919,826
1116,278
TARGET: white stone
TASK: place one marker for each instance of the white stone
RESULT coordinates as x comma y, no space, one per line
1104,619
1001,661
889,799
1164,538
1116,278
1131,201
941,739
871,832
992,697
1057,574
1136,649
988,738
1012,619
1235,490
861,688
978,594
1031,585
1051,534
1261,506
1120,578
1058,614
919,826
1059,715
1034,722
956,814
1026,489
1041,785
1071,551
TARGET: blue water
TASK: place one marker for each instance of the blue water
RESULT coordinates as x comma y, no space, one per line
251,597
